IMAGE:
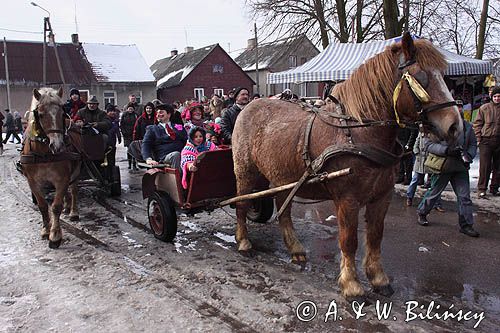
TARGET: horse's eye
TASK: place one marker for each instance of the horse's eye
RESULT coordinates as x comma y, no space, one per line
422,78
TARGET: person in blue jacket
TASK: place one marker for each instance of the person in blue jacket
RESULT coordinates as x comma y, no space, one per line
163,142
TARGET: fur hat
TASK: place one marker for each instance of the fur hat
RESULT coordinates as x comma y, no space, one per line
74,91
238,90
495,91
93,100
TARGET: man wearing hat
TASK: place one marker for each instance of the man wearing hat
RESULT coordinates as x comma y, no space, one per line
487,130
163,142
91,114
241,97
73,104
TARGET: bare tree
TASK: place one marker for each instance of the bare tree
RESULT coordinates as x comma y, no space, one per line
320,20
452,24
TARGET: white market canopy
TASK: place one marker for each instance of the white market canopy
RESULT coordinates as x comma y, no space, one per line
339,60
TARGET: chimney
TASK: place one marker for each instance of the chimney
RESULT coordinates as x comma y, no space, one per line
74,39
173,53
252,43
188,49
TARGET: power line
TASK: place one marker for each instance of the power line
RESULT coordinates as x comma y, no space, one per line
22,31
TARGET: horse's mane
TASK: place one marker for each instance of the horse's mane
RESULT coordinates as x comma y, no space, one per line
368,92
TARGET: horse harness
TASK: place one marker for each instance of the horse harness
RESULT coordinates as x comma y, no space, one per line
378,156
40,135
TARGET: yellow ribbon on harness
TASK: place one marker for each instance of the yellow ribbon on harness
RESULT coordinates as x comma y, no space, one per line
417,89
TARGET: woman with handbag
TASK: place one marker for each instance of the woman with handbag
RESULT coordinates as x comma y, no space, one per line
452,163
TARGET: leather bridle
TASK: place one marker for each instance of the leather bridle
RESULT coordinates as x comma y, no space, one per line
419,94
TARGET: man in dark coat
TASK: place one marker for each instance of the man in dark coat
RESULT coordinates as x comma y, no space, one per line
10,127
229,117
92,115
163,142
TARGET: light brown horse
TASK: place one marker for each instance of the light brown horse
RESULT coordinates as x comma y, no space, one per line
46,161
269,136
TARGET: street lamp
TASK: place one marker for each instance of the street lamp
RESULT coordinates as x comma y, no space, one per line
45,21
37,5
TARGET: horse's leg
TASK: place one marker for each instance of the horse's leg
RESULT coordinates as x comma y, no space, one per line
347,217
67,203
293,244
245,185
375,215
74,214
55,236
44,210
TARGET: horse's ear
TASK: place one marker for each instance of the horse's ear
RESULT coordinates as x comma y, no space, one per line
37,94
60,92
408,46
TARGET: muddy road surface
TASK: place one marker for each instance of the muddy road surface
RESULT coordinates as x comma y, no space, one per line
110,274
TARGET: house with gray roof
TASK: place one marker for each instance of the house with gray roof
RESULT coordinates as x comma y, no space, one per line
111,72
196,73
279,56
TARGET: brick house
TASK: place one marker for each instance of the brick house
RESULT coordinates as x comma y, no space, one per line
279,56
197,73
111,72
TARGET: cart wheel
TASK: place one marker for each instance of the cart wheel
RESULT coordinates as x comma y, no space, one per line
115,187
162,216
261,210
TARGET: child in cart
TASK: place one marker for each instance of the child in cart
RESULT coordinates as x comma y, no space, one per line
197,144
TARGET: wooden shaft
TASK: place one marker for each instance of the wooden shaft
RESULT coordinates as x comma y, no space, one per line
282,188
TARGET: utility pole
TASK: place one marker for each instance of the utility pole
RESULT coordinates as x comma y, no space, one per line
6,73
256,59
53,41
45,25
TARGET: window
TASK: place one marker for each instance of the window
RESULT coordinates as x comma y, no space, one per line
218,68
292,61
109,97
84,95
303,89
219,92
199,93
303,60
138,97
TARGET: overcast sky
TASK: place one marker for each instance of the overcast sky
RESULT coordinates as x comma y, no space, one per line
155,26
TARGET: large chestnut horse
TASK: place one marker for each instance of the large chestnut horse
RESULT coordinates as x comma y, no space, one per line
269,136
46,161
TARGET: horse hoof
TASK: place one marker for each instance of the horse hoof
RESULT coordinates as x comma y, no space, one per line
244,246
74,218
299,259
55,244
386,290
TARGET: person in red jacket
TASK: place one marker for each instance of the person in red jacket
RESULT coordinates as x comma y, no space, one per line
73,104
148,117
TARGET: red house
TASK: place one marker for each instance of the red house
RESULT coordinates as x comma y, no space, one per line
197,73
